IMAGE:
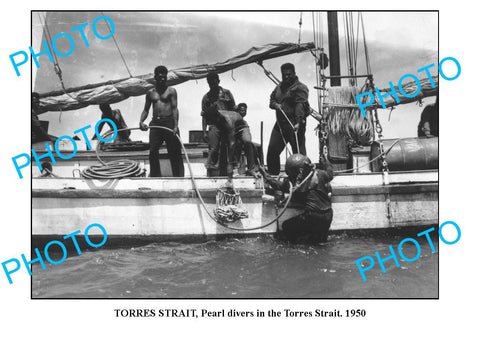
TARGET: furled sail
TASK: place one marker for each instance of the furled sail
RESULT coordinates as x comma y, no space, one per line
118,90
426,90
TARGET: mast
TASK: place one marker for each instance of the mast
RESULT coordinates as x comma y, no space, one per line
337,144
334,48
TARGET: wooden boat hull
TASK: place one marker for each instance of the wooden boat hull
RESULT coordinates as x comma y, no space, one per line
167,208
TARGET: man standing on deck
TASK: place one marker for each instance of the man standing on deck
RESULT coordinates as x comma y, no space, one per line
428,125
164,113
313,196
117,118
232,128
242,110
221,99
290,101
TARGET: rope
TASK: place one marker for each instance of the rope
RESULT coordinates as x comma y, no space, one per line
269,73
284,141
275,80
110,170
384,153
56,64
49,173
118,48
115,169
46,30
293,128
289,198
300,28
367,57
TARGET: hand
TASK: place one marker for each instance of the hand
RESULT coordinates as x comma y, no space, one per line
277,106
205,137
296,127
429,136
175,130
228,184
143,126
230,171
262,171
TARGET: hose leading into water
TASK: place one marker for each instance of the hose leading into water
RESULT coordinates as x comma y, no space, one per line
127,168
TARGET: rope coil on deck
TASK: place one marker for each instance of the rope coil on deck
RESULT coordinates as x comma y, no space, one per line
114,169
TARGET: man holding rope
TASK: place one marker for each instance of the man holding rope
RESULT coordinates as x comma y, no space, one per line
163,98
290,101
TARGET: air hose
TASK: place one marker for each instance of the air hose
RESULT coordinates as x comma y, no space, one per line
128,168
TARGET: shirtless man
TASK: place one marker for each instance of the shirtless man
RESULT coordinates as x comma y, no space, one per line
117,118
165,113
233,128
222,99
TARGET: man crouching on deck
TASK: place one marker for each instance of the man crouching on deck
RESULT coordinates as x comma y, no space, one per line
312,196
232,127
165,113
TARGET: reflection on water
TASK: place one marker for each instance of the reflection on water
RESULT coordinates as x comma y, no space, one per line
259,267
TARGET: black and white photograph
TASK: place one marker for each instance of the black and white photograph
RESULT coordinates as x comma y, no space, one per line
239,170
273,154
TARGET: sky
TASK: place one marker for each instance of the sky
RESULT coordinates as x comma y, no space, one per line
398,43
397,46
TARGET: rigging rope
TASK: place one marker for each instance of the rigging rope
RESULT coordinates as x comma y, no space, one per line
300,28
382,154
56,64
118,48
367,57
321,82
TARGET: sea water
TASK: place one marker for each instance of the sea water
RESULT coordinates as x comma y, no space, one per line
258,267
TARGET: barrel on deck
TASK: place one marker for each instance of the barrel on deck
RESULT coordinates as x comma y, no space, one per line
407,154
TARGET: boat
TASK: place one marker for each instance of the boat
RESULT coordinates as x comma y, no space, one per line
365,194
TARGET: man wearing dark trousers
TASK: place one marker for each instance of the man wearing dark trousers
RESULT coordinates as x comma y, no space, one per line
163,99
221,99
232,129
38,132
428,125
290,101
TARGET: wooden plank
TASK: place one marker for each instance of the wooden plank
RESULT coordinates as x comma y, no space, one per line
163,183
140,193
130,216
385,189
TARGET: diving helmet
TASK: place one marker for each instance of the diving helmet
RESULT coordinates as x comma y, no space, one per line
297,166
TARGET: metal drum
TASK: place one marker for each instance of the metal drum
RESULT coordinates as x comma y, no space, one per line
407,154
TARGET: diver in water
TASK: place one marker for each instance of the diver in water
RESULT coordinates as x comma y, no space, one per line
313,196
